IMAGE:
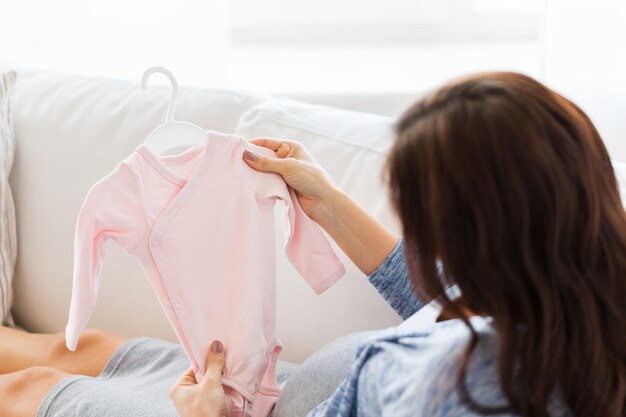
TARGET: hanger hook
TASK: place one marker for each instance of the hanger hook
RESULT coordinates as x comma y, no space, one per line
144,83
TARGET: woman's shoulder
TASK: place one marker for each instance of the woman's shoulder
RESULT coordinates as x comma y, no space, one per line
422,333
412,369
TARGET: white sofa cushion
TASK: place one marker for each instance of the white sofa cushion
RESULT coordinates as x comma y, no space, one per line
8,232
352,147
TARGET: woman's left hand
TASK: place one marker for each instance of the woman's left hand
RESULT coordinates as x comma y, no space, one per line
204,399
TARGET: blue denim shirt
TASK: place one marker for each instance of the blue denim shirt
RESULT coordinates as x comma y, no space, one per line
411,369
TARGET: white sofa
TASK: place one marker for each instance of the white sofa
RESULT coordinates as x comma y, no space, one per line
72,130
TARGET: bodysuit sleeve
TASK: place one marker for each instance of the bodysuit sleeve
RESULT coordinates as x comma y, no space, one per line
112,209
306,246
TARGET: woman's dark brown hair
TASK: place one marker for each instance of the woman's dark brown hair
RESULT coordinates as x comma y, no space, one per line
509,186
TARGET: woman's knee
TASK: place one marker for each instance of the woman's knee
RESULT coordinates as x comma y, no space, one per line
91,337
18,380
94,349
21,392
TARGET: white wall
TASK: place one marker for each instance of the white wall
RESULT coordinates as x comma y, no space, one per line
581,53
586,61
121,38
117,38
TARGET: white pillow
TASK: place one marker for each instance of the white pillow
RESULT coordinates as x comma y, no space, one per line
8,235
351,146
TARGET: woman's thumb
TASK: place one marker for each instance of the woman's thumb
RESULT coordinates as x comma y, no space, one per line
214,364
264,163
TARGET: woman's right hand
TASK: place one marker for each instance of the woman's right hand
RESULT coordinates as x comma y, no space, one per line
313,186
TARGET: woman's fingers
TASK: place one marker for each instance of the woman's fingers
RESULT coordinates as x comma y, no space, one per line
214,364
206,398
269,143
188,378
266,163
282,147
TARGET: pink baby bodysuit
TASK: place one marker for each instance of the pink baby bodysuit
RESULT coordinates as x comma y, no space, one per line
201,224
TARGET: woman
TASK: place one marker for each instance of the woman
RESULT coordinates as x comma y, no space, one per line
512,222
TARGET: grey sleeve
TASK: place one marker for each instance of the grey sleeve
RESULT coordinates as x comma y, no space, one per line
391,279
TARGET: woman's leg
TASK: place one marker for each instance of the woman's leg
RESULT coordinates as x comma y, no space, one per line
32,363
20,350
318,376
22,392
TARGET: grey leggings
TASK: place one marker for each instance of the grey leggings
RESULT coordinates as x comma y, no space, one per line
136,379
313,381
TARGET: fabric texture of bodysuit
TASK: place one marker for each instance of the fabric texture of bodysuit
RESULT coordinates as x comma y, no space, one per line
201,224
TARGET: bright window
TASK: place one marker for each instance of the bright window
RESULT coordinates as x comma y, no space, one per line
277,46
374,46
358,21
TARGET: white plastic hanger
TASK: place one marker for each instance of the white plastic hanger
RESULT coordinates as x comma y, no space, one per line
172,134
